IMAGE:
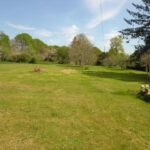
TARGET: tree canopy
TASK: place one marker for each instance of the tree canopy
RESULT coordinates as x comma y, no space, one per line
140,25
4,46
82,51
139,29
116,46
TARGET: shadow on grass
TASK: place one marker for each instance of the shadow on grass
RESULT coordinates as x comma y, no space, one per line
124,76
144,97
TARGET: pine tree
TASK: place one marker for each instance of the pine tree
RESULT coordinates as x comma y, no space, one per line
140,29
140,23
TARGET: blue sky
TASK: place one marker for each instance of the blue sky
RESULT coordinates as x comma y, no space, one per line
58,21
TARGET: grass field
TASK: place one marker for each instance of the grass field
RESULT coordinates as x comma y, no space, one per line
67,108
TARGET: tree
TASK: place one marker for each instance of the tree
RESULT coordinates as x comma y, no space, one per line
101,58
5,48
98,52
41,48
24,49
140,29
116,55
116,61
116,46
63,54
52,55
23,41
81,51
146,60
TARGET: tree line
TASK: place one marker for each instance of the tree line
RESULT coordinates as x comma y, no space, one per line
23,48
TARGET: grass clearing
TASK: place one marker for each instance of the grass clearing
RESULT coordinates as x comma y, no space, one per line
68,108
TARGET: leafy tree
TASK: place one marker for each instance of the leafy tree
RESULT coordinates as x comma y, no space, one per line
140,29
41,48
5,48
116,61
116,55
26,49
101,57
23,41
81,51
97,52
63,55
116,46
52,55
146,61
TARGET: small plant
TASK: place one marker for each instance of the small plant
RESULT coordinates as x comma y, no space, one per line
37,69
86,68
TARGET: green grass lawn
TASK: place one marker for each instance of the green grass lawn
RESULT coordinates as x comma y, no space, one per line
67,108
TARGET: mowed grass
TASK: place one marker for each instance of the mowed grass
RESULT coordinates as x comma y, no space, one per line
69,108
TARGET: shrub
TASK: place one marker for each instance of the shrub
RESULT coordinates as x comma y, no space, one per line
37,69
24,57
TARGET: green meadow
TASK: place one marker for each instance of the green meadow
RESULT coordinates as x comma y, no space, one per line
72,108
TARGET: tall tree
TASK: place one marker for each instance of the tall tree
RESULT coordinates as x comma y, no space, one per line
62,54
146,60
81,51
140,27
116,46
140,22
23,41
5,48
116,55
41,48
24,49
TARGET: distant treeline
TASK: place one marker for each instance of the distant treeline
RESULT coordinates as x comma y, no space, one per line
23,48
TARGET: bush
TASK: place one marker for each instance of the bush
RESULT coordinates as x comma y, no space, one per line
116,61
34,60
24,57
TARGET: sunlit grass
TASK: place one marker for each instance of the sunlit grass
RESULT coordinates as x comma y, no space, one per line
66,107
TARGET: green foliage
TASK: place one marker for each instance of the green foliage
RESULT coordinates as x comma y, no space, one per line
63,55
5,49
139,29
81,51
23,41
21,57
97,50
116,56
101,58
29,50
116,46
116,61
41,48
52,55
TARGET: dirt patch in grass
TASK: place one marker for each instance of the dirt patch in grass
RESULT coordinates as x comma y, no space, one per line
68,71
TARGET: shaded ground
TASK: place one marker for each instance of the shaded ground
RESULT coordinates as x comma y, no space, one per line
124,76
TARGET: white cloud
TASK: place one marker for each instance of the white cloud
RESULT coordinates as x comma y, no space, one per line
93,5
44,33
103,10
70,32
20,27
